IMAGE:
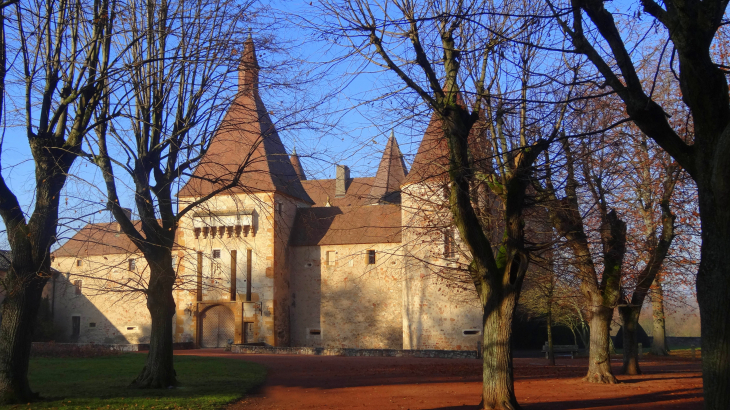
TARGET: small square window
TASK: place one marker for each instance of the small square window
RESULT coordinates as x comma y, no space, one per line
371,257
77,287
132,264
78,262
216,253
92,324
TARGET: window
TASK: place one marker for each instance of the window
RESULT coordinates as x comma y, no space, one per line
449,245
75,326
216,253
92,324
77,287
78,262
174,262
470,332
279,206
315,332
132,264
331,258
371,257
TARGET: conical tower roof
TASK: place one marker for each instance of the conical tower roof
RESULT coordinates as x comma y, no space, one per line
246,139
392,172
432,159
297,165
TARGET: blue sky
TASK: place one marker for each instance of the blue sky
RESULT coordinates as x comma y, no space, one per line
347,130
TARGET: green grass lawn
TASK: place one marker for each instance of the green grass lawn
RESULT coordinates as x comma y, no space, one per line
101,383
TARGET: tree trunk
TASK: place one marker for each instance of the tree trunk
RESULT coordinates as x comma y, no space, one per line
713,282
630,320
659,341
551,353
159,372
20,309
599,358
498,391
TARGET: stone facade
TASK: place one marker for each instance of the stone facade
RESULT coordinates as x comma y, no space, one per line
366,263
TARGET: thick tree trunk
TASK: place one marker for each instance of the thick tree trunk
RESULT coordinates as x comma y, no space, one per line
498,391
713,282
159,372
551,353
659,341
599,358
20,309
630,319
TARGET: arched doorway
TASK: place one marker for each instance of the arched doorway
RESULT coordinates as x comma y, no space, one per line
218,326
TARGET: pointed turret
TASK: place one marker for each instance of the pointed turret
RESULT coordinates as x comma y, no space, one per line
432,159
248,69
297,165
391,173
247,143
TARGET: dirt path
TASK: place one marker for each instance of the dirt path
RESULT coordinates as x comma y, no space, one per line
326,382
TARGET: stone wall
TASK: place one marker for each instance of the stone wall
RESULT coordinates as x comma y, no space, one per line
348,302
440,306
320,351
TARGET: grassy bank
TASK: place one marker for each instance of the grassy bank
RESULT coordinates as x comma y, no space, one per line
101,383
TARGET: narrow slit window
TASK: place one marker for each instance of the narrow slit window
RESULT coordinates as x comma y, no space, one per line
315,332
449,246
331,258
78,262
371,257
471,332
132,264
77,287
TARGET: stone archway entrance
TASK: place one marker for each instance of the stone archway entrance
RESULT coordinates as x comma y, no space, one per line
217,327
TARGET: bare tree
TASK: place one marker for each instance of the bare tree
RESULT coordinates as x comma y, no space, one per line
600,288
690,27
57,53
454,57
180,62
657,244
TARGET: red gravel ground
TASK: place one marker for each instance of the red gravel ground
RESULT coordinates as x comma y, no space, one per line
327,382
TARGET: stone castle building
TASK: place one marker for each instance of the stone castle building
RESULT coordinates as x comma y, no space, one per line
366,262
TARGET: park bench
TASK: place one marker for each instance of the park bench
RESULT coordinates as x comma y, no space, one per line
572,349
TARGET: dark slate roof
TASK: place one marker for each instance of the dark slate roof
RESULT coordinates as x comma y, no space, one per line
246,136
347,225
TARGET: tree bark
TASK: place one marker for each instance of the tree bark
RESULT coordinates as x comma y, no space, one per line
713,282
630,320
659,341
159,372
20,309
551,353
498,391
599,358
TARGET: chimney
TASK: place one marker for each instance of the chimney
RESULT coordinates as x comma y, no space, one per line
343,174
127,212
